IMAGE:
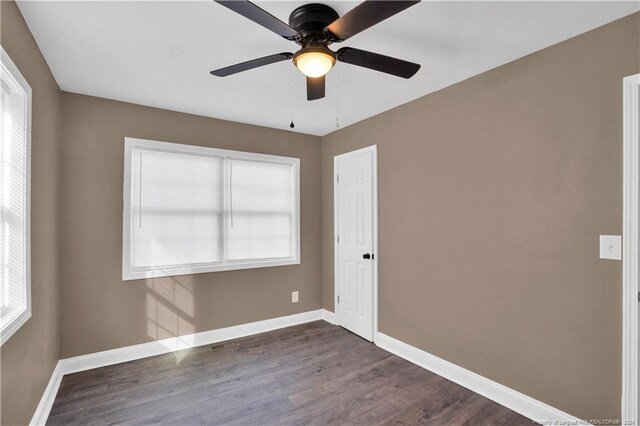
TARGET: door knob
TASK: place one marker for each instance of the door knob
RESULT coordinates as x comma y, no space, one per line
366,256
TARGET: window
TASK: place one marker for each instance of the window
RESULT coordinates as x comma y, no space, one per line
191,209
15,130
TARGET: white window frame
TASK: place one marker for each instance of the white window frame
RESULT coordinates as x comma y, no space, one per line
130,273
19,318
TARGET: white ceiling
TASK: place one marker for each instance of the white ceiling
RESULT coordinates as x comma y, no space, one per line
160,54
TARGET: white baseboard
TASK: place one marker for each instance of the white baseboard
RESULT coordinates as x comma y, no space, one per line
159,347
512,399
329,316
49,395
144,350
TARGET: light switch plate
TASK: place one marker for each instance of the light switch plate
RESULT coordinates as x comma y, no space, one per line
294,297
611,247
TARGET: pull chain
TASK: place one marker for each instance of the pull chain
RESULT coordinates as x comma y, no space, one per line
291,96
337,120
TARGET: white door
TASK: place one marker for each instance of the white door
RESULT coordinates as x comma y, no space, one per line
355,216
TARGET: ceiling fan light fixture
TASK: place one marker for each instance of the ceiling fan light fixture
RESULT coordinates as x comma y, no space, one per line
314,27
314,61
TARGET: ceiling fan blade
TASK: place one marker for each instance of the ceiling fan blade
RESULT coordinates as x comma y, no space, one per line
260,17
315,88
365,15
377,62
254,63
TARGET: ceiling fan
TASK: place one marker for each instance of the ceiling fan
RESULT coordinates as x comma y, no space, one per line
316,26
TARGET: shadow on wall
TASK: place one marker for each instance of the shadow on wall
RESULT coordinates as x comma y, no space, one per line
170,312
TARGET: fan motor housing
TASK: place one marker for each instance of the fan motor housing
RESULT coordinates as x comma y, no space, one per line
310,19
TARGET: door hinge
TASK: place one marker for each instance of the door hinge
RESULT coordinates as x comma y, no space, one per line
338,298
338,239
639,296
338,178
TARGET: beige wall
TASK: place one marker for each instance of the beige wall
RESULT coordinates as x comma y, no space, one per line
492,193
99,310
29,356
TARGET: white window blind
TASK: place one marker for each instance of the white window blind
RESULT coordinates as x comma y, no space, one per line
194,209
15,104
177,209
260,219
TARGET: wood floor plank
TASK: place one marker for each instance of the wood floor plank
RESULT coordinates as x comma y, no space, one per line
312,374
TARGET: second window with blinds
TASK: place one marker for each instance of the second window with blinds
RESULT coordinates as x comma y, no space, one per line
190,209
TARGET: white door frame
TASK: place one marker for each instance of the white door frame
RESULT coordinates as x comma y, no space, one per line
630,261
373,149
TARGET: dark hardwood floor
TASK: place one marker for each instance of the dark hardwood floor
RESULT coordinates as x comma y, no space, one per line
314,373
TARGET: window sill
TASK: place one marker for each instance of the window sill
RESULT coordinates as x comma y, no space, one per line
137,274
11,321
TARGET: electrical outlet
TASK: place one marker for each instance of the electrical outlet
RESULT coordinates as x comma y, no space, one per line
294,297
